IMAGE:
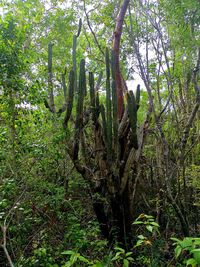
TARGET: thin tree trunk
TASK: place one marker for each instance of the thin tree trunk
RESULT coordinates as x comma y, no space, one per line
116,48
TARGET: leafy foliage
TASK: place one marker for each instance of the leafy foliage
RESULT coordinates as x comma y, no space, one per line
190,245
46,208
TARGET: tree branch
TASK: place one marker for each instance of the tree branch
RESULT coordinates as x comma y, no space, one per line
3,245
116,48
50,79
90,27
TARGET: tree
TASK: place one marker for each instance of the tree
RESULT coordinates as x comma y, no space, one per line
165,72
109,136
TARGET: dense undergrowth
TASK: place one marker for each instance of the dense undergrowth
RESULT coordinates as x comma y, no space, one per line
46,207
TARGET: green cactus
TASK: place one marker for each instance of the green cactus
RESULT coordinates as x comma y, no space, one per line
70,98
104,124
99,81
79,108
74,54
79,28
74,61
97,109
81,94
92,95
132,110
82,79
64,86
137,98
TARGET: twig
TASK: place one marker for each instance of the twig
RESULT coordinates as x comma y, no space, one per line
3,245
90,27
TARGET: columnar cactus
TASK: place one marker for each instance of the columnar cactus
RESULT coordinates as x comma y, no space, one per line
79,108
75,37
132,110
111,142
70,98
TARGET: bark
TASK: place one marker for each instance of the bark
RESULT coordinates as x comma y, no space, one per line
116,49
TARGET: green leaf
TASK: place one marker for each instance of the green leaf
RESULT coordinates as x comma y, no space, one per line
125,263
98,264
149,228
175,239
187,243
192,262
139,243
129,253
117,256
196,255
67,264
120,249
141,237
178,251
137,222
196,241
68,252
83,259
155,224
130,259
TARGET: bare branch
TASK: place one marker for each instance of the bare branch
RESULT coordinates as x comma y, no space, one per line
3,245
90,27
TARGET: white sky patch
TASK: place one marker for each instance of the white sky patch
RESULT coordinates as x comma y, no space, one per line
64,5
132,84
26,106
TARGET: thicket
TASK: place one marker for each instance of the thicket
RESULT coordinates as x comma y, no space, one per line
91,173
